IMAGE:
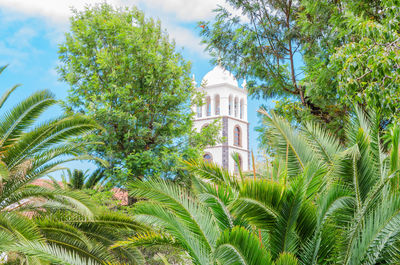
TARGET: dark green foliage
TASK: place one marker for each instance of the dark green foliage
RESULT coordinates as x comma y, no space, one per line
257,44
316,58
77,179
268,43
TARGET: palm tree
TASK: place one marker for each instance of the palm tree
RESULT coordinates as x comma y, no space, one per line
328,203
351,190
180,219
39,224
79,179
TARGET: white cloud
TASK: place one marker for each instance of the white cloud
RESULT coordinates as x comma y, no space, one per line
185,38
174,14
59,10
185,10
55,13
54,10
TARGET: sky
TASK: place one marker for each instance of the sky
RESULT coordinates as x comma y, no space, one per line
31,31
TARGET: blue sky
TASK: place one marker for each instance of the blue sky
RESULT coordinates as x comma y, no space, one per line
32,30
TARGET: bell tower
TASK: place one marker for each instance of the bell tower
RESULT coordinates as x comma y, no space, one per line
226,101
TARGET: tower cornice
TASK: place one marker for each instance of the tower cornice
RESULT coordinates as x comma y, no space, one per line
220,117
238,89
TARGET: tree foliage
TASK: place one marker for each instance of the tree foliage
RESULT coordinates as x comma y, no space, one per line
316,58
125,73
263,42
368,65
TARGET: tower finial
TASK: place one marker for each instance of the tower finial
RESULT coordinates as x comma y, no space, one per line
244,84
194,81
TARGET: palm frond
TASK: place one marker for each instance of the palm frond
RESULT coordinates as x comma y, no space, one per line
259,202
218,199
288,143
155,215
379,231
286,259
8,92
19,227
97,176
284,237
240,247
53,253
47,135
212,172
193,215
334,203
322,142
150,238
16,121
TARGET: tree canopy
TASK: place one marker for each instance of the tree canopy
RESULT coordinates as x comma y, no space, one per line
316,58
124,71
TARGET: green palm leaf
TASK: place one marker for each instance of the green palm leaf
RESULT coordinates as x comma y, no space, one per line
286,259
52,253
15,122
27,153
288,143
240,247
259,202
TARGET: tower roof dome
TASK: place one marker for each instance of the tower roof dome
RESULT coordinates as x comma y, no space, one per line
219,75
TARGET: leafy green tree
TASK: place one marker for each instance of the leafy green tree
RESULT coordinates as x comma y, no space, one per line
266,45
124,72
317,58
351,58
368,64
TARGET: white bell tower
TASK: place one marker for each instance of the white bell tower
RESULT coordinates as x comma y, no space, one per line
226,101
